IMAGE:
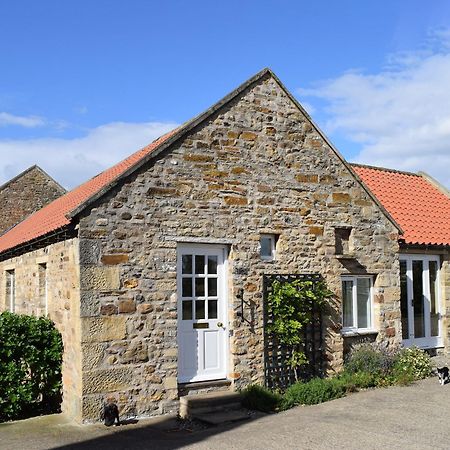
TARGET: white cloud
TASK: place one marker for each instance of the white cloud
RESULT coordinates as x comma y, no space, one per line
400,116
7,119
73,161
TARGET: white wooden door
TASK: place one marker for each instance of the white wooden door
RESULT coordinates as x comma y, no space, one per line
202,313
420,301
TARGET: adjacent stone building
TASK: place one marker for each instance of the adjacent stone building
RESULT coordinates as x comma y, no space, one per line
422,208
145,264
24,194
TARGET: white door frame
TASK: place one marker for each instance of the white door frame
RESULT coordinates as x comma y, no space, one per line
220,324
427,341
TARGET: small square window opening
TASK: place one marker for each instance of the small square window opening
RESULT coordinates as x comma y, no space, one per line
267,246
343,245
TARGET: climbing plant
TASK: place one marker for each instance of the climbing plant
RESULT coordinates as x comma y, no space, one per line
290,305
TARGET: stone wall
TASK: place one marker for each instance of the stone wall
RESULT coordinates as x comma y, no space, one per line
58,263
24,195
257,166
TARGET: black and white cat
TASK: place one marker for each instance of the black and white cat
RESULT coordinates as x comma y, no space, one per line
111,414
443,374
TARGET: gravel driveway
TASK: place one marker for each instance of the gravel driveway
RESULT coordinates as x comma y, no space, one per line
414,417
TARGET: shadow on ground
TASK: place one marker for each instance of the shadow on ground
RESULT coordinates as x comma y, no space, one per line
168,433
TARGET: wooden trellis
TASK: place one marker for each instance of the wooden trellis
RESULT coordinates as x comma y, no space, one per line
278,374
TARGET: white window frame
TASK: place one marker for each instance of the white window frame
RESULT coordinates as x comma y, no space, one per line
273,246
355,329
11,279
426,341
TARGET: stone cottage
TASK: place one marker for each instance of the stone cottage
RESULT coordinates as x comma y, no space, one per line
422,208
141,266
24,194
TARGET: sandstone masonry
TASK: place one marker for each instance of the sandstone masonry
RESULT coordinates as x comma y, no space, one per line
257,166
48,281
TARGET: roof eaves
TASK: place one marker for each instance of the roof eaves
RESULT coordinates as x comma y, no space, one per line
182,130
338,154
19,249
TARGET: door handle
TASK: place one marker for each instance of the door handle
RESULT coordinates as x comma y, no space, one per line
220,325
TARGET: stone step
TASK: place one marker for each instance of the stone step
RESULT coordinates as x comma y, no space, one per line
212,402
223,417
215,408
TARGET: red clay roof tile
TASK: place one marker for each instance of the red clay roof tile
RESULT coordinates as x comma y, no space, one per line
54,216
420,208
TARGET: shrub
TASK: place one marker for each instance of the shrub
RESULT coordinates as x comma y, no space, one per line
30,366
412,363
260,398
372,359
358,380
317,390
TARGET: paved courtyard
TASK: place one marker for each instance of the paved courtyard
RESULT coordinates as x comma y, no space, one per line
414,417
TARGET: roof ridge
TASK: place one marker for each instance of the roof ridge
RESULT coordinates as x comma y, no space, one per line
385,169
435,183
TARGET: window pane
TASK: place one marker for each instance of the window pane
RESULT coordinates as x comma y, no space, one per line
212,309
404,299
200,309
418,299
434,316
199,264
199,287
187,310
187,287
186,262
363,302
212,287
212,265
266,246
347,298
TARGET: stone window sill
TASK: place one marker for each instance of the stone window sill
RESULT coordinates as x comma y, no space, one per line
353,333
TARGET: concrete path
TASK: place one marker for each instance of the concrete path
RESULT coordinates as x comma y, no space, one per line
414,417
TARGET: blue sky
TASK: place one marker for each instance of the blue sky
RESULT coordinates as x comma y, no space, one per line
85,83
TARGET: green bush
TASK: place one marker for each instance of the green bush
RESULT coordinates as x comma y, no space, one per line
358,380
372,359
317,390
260,398
369,365
30,366
412,363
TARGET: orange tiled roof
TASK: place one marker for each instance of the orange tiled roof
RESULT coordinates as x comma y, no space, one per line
419,207
55,215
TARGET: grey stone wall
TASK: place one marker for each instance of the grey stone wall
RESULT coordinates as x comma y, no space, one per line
257,166
26,194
